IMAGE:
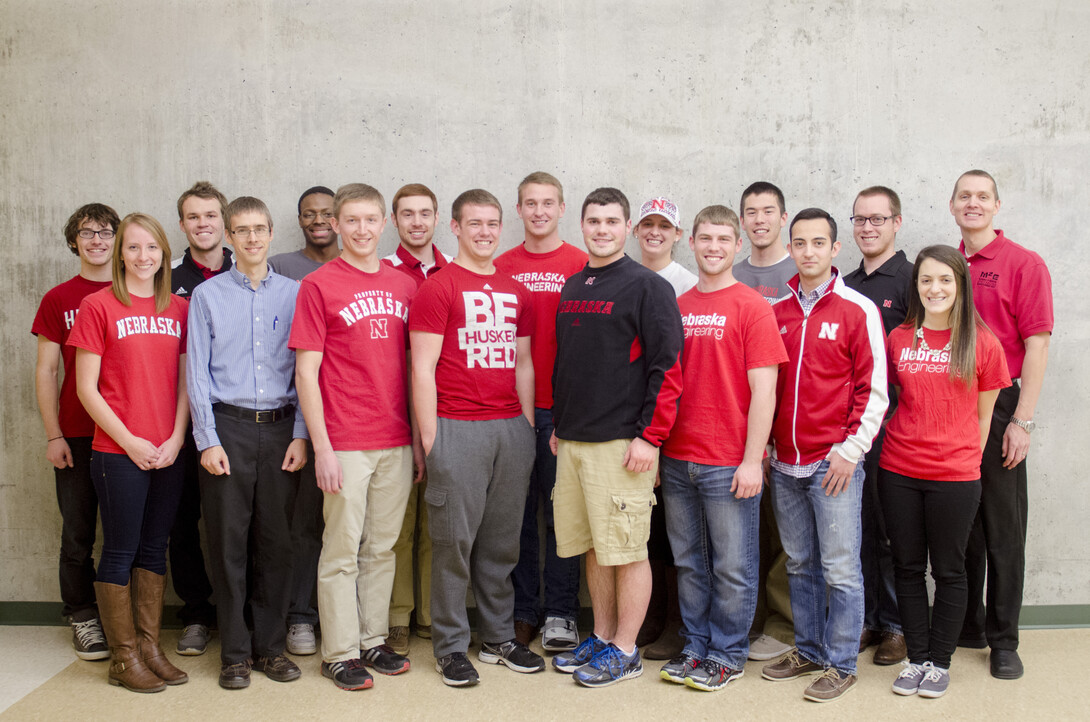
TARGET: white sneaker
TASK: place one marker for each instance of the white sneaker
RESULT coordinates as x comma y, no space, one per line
301,639
764,648
559,635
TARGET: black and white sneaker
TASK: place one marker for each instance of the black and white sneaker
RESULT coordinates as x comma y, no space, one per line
384,660
349,674
457,670
514,654
88,640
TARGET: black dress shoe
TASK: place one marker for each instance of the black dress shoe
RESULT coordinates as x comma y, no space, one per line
1006,664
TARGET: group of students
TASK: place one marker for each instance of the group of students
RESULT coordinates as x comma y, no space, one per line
440,401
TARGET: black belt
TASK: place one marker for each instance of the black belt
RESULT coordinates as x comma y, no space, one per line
258,417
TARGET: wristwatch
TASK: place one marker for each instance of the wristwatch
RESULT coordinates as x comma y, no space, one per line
1029,426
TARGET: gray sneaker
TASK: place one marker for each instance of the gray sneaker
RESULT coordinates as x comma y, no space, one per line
559,634
676,669
301,639
194,639
764,648
935,682
88,640
908,681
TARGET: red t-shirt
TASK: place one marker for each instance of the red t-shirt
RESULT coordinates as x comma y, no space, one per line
54,320
1012,290
479,318
544,275
727,333
357,320
935,434
140,348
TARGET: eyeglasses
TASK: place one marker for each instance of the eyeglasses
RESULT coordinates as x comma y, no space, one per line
309,216
875,221
259,231
105,234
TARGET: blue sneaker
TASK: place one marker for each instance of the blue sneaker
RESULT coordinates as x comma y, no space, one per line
609,666
570,661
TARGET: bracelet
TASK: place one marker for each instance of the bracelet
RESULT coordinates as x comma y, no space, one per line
54,438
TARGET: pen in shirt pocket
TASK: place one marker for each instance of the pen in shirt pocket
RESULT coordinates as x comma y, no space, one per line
276,319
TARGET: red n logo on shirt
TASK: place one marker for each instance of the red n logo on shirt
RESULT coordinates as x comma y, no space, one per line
828,330
378,328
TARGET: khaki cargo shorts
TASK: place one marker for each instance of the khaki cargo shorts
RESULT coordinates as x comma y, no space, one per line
598,504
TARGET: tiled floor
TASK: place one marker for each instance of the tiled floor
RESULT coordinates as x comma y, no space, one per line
40,679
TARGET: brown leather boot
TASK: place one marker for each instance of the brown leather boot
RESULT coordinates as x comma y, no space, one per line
147,605
126,667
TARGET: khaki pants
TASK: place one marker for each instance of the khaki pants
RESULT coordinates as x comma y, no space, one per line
356,569
412,575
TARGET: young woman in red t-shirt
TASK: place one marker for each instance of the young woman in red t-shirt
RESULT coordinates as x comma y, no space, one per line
948,368
130,377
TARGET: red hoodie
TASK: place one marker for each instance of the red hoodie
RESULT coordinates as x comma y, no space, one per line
832,393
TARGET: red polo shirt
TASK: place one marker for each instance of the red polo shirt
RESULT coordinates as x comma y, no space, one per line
1012,290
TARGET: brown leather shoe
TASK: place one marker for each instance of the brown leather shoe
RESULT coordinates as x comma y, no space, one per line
669,644
127,669
869,638
525,632
829,686
792,666
147,605
235,675
398,640
891,650
278,668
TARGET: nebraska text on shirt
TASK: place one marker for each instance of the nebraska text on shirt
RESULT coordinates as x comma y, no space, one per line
373,305
148,324
541,281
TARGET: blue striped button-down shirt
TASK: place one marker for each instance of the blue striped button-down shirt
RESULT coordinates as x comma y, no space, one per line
238,349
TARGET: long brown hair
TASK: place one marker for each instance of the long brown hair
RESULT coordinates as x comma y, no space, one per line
964,319
162,276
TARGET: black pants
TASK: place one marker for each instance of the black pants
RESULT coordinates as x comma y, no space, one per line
307,525
997,545
253,505
79,516
187,570
929,519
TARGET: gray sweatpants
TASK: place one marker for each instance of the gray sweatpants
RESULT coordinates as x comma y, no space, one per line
478,473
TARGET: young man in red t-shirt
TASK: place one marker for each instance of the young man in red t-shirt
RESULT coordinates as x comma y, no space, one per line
1012,290
542,263
89,234
473,391
711,463
350,338
415,215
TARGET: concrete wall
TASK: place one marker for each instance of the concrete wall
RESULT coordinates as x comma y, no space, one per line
129,102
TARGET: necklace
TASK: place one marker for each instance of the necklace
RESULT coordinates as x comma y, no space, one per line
924,348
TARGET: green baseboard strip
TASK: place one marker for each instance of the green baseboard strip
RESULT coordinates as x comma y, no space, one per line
44,614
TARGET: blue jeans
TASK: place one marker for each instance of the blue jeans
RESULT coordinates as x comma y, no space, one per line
822,537
561,575
137,509
714,537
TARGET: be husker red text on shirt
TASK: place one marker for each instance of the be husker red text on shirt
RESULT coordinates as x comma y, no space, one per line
479,318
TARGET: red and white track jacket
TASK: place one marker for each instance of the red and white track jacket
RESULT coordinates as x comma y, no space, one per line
832,392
